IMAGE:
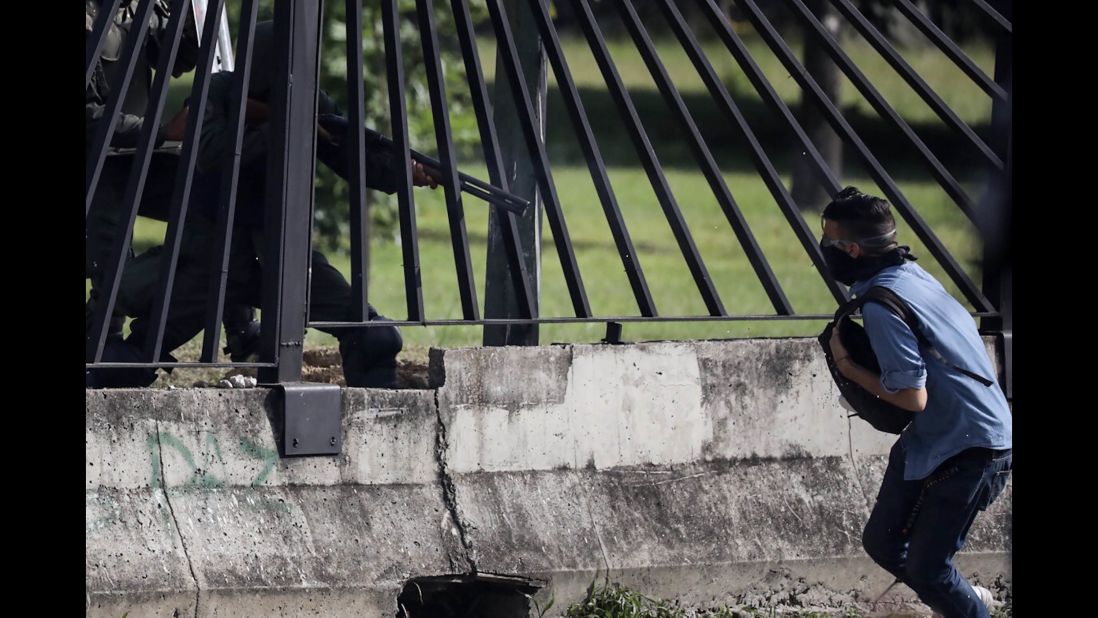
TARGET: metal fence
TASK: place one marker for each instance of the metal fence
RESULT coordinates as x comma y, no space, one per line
293,135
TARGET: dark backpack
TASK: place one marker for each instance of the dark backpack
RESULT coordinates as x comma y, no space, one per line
883,416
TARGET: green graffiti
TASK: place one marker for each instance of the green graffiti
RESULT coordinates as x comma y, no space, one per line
201,477
268,456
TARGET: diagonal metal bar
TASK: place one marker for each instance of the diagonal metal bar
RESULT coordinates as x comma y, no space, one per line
135,186
436,86
184,178
105,131
767,171
595,164
950,184
873,166
512,240
394,62
536,148
768,95
229,178
950,49
995,16
648,158
356,193
704,158
878,41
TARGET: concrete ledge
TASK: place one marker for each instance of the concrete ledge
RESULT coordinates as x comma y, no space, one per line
700,471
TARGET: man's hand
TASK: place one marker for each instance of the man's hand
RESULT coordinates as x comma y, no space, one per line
423,176
176,127
839,353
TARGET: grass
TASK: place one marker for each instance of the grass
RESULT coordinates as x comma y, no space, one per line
613,600
671,285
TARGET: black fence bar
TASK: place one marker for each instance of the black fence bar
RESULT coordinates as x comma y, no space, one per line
93,45
997,250
705,159
409,239
937,170
105,131
995,16
489,139
184,176
536,149
595,164
180,365
648,158
769,96
843,128
597,319
229,178
356,190
767,171
878,41
950,49
135,185
455,211
291,167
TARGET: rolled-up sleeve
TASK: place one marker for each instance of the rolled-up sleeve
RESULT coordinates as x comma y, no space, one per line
896,348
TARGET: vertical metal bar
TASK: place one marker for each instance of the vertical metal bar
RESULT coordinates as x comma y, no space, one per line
289,193
937,170
229,177
873,166
648,158
767,171
436,86
518,163
135,186
394,62
520,279
878,41
98,35
996,227
536,149
950,49
995,16
595,164
705,159
356,116
135,43
768,95
184,178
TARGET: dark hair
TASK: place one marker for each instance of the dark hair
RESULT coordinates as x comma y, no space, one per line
863,218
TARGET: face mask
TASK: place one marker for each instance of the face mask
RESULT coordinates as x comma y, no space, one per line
848,270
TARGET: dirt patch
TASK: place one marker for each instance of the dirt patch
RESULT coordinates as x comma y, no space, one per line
320,365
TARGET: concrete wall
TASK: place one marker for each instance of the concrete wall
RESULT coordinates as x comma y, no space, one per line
702,471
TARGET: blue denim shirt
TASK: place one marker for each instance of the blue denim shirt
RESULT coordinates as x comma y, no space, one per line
960,412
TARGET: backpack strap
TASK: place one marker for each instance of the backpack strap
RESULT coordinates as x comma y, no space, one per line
896,305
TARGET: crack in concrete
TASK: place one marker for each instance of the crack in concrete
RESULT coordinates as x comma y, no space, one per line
446,483
175,520
854,462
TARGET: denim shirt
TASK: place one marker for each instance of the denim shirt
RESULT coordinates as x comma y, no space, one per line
960,412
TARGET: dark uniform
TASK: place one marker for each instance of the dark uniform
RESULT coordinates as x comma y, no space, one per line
107,212
369,354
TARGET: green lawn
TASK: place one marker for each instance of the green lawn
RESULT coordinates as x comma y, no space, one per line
671,285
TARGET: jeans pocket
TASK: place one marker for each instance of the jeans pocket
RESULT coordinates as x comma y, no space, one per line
995,486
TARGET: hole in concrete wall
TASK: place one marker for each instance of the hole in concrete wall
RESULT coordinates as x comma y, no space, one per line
461,596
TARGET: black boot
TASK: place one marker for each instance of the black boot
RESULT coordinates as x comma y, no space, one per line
242,342
369,356
116,350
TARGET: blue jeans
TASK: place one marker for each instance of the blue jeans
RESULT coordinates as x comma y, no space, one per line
917,526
